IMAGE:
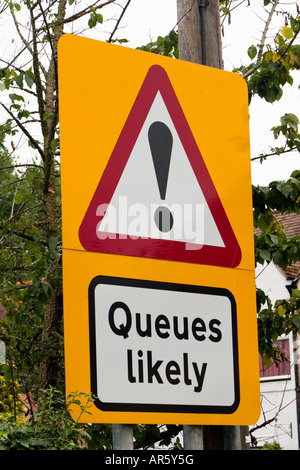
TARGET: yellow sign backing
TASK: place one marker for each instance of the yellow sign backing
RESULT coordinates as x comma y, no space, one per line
160,312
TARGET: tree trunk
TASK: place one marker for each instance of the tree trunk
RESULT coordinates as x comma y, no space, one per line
48,373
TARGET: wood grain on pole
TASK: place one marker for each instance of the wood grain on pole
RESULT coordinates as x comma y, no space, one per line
190,34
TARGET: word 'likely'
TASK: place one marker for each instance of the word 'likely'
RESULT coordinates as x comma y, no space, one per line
142,370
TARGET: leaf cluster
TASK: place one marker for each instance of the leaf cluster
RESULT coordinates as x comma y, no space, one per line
271,243
95,18
167,45
10,399
273,322
149,435
30,267
272,69
52,427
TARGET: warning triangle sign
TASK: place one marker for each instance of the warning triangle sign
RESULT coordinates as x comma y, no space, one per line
156,198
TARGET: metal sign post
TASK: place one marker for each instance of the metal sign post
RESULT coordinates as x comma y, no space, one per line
193,437
122,436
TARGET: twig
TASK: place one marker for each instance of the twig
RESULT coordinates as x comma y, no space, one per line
20,125
119,20
20,165
265,31
273,154
81,13
26,43
269,421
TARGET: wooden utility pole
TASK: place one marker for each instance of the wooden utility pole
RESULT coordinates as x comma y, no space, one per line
199,32
199,38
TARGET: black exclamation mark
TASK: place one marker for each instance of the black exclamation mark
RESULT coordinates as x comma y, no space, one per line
161,142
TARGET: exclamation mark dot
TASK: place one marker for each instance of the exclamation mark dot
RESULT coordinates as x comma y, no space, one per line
161,142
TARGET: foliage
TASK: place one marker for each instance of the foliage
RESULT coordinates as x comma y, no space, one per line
10,400
51,428
272,446
289,129
99,437
274,321
30,264
271,243
167,45
30,220
272,69
151,435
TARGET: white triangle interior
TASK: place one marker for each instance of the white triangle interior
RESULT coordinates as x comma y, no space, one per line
136,197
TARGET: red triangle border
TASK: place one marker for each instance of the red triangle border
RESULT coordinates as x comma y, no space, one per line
227,256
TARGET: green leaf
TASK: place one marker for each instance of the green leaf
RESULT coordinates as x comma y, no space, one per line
268,56
274,239
284,188
252,51
94,19
267,361
54,145
53,242
290,119
15,97
265,254
99,18
287,32
279,260
24,443
29,78
26,258
92,22
296,293
18,198
296,321
47,116
19,81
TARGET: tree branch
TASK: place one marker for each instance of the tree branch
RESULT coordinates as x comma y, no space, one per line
119,21
50,41
258,64
273,154
21,165
265,31
26,43
35,61
291,42
81,13
20,125
269,421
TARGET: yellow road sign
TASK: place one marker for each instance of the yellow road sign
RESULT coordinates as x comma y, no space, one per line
158,255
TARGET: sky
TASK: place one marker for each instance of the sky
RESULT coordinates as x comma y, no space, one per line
146,19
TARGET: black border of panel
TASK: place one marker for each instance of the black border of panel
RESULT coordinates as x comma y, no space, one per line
153,407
